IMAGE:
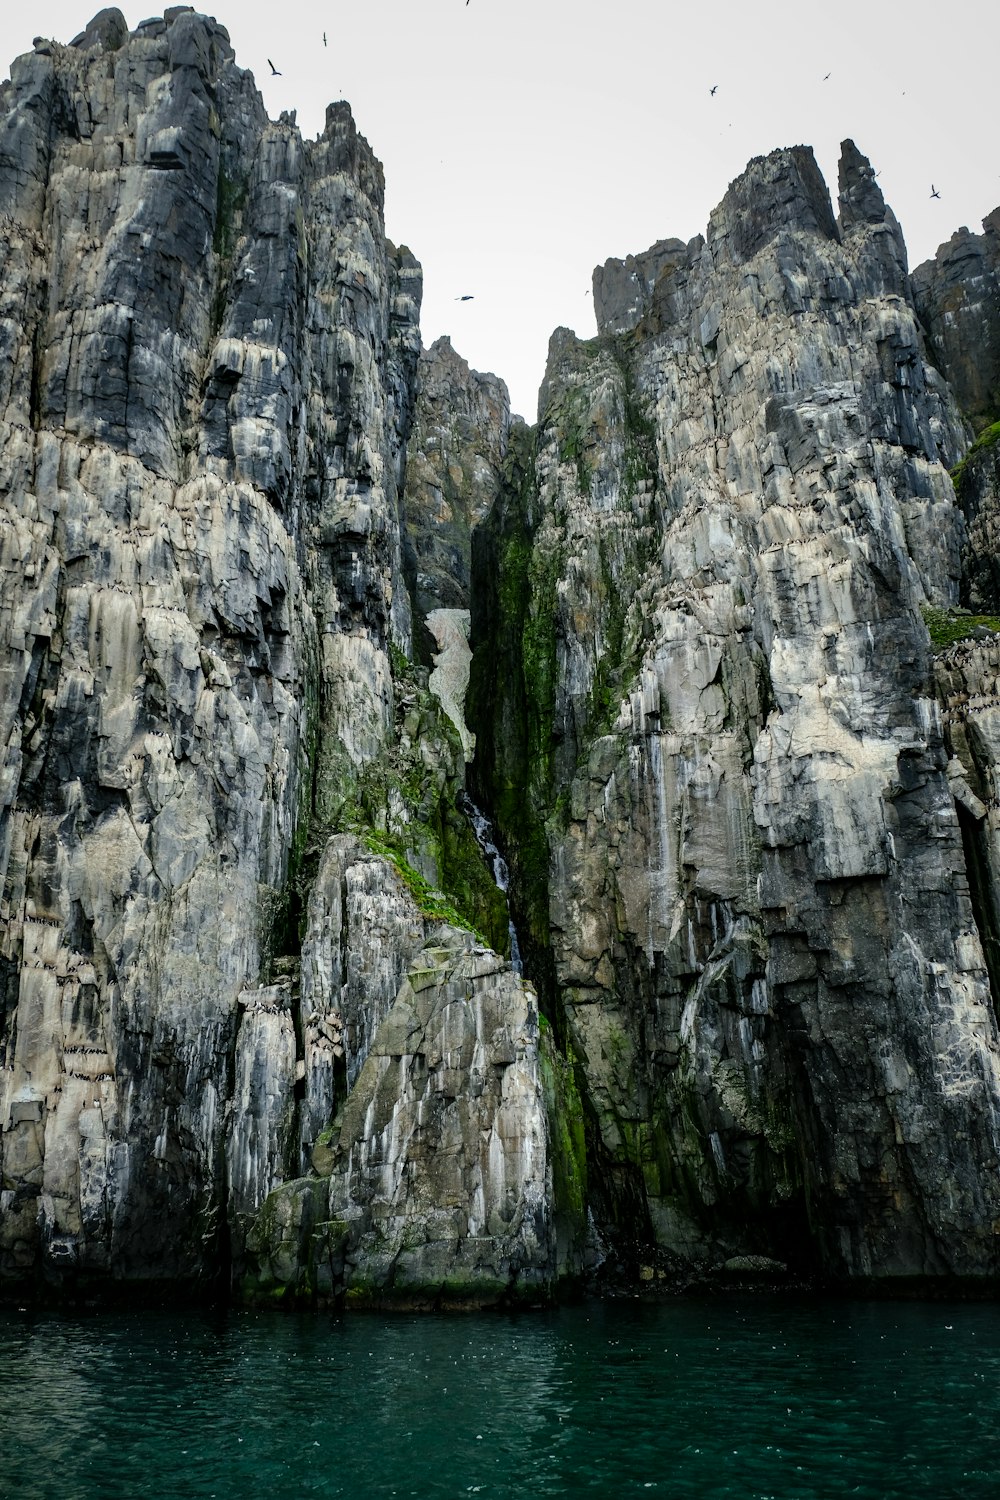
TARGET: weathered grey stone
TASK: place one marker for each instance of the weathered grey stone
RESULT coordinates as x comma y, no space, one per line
752,825
453,463
763,946
441,1166
977,484
207,368
958,298
437,1164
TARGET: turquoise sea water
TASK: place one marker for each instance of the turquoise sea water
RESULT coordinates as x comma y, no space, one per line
734,1397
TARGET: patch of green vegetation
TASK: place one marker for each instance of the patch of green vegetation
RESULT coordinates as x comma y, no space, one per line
988,438
624,632
512,690
469,882
405,801
402,667
432,903
567,1134
946,626
618,667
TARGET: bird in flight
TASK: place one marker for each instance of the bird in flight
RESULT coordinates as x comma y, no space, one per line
468,296
713,88
826,76
934,191
275,71
324,39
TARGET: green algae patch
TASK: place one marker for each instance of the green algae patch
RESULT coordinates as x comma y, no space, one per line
405,805
512,688
948,626
567,1146
988,438
431,902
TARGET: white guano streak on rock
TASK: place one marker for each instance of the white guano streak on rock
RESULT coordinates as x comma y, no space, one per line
449,680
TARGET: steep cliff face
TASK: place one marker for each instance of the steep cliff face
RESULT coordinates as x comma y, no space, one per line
207,373
958,300
434,1180
454,460
746,855
251,1022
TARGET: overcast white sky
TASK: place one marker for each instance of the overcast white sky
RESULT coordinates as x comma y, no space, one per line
525,141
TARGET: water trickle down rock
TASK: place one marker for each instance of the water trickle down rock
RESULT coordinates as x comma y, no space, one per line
483,829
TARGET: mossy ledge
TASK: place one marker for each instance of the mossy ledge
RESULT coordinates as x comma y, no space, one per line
988,438
946,627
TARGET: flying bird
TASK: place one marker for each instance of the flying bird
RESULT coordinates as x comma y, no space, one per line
275,71
713,88
324,39
826,76
469,296
934,191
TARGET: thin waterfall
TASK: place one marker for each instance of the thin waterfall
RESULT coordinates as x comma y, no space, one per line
483,830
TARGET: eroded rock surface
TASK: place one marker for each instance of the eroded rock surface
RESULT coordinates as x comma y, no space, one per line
750,819
741,846
207,361
453,465
958,299
435,1177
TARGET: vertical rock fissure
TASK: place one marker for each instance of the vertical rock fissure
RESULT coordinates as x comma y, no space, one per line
981,895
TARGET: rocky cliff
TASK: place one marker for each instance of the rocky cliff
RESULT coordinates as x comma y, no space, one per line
207,375
738,736
760,871
957,295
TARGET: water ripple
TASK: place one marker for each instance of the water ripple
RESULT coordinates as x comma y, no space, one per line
722,1400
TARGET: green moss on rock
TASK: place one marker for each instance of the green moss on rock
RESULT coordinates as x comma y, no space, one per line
987,439
567,1145
947,626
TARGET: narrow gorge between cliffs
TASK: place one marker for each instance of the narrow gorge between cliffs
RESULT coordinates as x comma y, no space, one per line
447,862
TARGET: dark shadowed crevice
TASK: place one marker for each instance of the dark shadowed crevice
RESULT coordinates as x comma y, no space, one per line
982,895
